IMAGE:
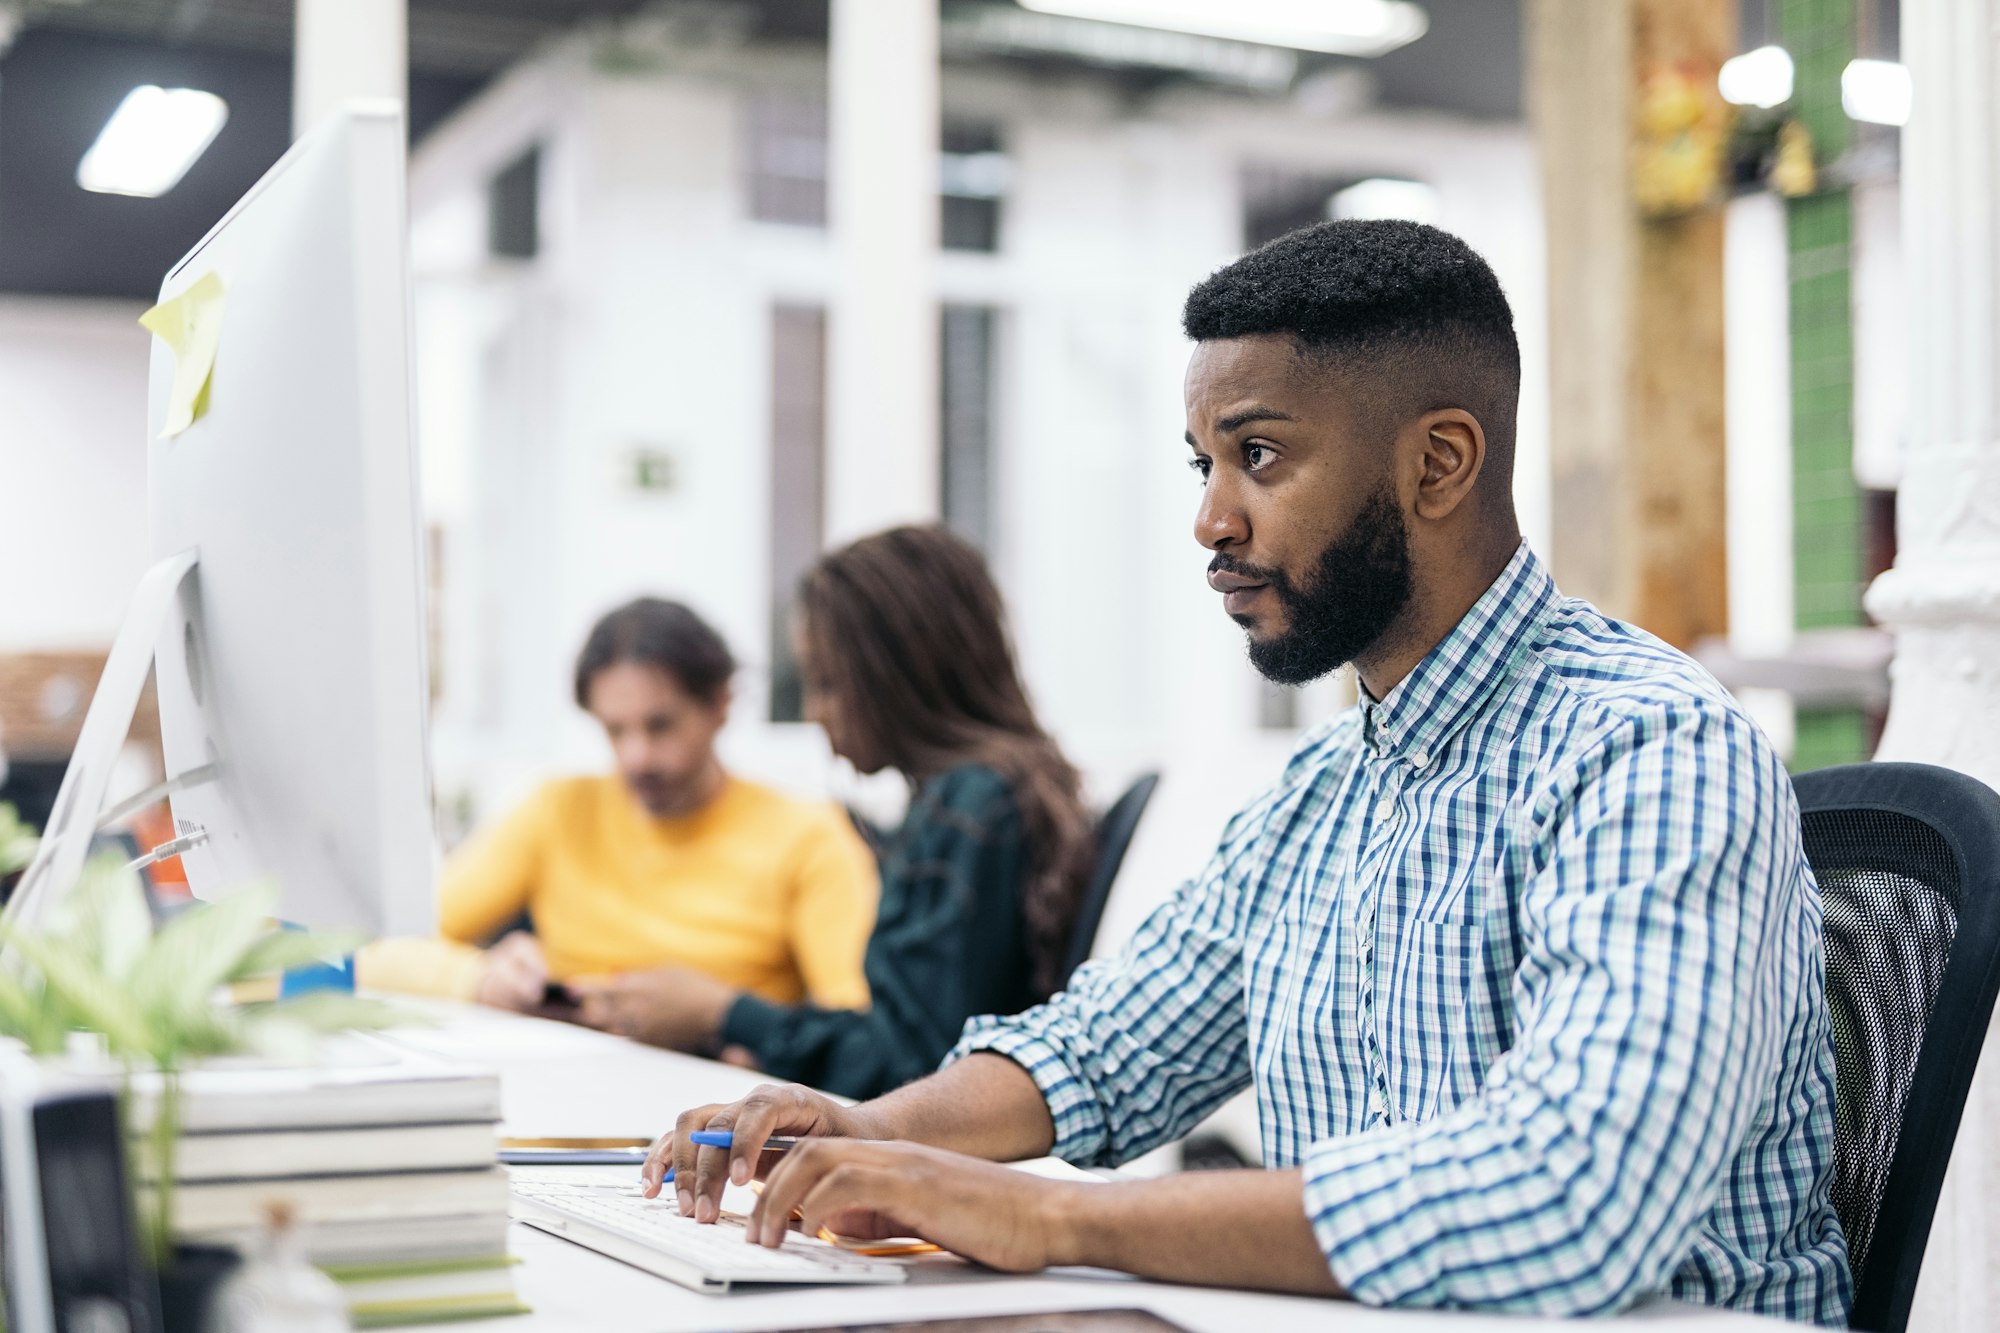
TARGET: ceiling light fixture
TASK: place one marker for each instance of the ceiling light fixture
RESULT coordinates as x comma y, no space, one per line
1877,91
1341,27
1760,78
151,140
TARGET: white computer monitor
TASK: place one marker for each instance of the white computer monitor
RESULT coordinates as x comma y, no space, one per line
293,662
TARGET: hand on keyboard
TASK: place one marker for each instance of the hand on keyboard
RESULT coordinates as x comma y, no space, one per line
619,1220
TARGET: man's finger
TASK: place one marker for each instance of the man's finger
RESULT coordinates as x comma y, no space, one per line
789,1182
865,1224
658,1157
684,1153
756,1121
853,1188
594,1009
522,987
711,1168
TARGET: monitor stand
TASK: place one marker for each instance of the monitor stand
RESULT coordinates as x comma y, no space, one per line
79,809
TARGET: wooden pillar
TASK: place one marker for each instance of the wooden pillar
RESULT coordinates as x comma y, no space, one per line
1631,133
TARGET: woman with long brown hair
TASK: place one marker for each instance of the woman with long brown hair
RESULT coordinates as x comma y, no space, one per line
903,648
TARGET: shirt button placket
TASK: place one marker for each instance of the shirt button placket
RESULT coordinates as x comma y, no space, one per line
1371,1050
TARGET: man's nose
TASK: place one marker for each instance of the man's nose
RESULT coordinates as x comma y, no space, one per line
1220,521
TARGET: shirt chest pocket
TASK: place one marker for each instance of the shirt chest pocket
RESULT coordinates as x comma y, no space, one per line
1435,979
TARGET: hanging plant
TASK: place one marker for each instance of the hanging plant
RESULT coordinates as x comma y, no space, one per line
1680,150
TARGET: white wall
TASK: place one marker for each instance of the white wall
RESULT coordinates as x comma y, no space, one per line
1881,337
72,470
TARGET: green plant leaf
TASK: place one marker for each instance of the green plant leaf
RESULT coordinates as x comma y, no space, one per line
214,1032
114,924
75,980
196,951
276,1037
290,1029
282,950
36,1019
17,841
334,1011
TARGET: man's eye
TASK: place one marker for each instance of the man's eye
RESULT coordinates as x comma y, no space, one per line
1257,457
1200,466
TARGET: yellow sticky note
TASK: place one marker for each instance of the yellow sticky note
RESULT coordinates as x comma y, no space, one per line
190,324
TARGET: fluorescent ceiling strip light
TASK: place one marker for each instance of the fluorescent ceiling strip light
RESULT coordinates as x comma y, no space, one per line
151,140
989,30
1877,91
1761,78
1341,27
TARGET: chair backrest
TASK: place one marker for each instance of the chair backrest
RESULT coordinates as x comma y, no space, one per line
1908,862
1114,836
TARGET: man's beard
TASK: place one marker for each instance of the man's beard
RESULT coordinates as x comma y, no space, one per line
1357,588
656,793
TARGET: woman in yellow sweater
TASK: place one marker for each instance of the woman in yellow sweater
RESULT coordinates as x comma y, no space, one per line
669,861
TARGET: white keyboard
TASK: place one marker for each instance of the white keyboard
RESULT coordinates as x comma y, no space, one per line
616,1220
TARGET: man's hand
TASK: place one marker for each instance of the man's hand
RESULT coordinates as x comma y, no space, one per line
1227,1228
700,1173
515,976
984,1105
1219,1228
994,1215
676,1007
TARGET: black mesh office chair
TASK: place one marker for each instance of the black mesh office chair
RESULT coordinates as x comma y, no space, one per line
1114,836
1908,861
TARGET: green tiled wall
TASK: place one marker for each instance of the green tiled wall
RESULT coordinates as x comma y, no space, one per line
1826,501
1819,36
1827,517
1828,736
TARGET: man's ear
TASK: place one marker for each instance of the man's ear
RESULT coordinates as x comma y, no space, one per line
1453,452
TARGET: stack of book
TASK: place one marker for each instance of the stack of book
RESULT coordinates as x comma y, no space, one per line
386,1160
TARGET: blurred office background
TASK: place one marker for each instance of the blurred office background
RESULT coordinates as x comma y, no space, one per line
705,286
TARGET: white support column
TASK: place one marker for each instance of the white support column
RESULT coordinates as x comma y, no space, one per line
882,355
1943,597
347,48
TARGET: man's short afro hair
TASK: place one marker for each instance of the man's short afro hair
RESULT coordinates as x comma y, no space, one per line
1363,286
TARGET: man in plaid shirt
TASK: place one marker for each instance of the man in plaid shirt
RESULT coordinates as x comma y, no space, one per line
1522,955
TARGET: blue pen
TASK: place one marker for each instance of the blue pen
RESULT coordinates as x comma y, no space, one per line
722,1138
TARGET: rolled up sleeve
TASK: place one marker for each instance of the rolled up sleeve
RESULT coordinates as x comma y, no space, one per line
1144,1045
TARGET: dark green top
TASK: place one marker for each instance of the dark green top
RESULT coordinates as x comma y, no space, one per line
950,942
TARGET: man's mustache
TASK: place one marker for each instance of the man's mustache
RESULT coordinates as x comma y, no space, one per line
1224,563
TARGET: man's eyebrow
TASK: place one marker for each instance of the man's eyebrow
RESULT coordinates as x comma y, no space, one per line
1235,421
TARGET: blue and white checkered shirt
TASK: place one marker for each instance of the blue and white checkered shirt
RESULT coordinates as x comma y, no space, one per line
1524,962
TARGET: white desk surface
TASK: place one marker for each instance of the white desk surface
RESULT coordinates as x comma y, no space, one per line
560,1081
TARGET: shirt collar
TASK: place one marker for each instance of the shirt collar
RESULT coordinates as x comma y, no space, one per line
1420,714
